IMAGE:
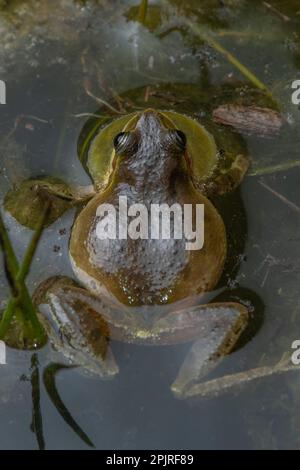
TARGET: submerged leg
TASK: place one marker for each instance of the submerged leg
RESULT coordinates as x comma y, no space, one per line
74,327
222,326
80,325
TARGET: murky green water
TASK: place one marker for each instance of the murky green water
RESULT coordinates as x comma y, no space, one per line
48,55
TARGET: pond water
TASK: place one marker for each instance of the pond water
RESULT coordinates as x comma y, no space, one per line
55,58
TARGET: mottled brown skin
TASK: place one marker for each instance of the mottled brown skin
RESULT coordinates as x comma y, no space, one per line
142,272
130,286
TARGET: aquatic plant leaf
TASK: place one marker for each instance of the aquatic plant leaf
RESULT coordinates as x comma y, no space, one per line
37,421
50,385
26,202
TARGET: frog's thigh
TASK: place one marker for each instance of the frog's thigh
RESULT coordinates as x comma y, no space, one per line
222,325
75,326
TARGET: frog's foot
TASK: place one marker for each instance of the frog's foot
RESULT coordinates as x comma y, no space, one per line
226,181
222,326
27,202
74,328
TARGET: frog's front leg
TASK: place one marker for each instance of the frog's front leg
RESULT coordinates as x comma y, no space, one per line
218,328
221,182
27,201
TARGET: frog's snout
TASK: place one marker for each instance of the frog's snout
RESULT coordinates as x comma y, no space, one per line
149,121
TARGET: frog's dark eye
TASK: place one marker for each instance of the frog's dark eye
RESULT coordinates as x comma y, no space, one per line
124,142
178,138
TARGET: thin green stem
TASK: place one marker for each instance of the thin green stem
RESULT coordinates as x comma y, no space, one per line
201,33
11,259
274,168
29,254
7,316
21,297
142,13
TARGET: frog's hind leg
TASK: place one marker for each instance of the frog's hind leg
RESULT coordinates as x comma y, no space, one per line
226,181
75,328
222,326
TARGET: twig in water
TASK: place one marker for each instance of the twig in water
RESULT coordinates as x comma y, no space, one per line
268,170
100,101
90,115
34,118
147,94
277,12
281,197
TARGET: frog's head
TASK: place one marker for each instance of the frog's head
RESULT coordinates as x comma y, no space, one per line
148,146
148,150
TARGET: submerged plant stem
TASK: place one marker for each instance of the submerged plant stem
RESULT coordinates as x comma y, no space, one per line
286,201
196,29
10,257
268,170
18,274
142,13
205,36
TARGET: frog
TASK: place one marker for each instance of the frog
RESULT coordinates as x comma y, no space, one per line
142,291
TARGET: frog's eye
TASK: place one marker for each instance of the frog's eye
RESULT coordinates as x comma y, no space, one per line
124,142
178,138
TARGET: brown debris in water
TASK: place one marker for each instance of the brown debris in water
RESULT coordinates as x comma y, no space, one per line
264,122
